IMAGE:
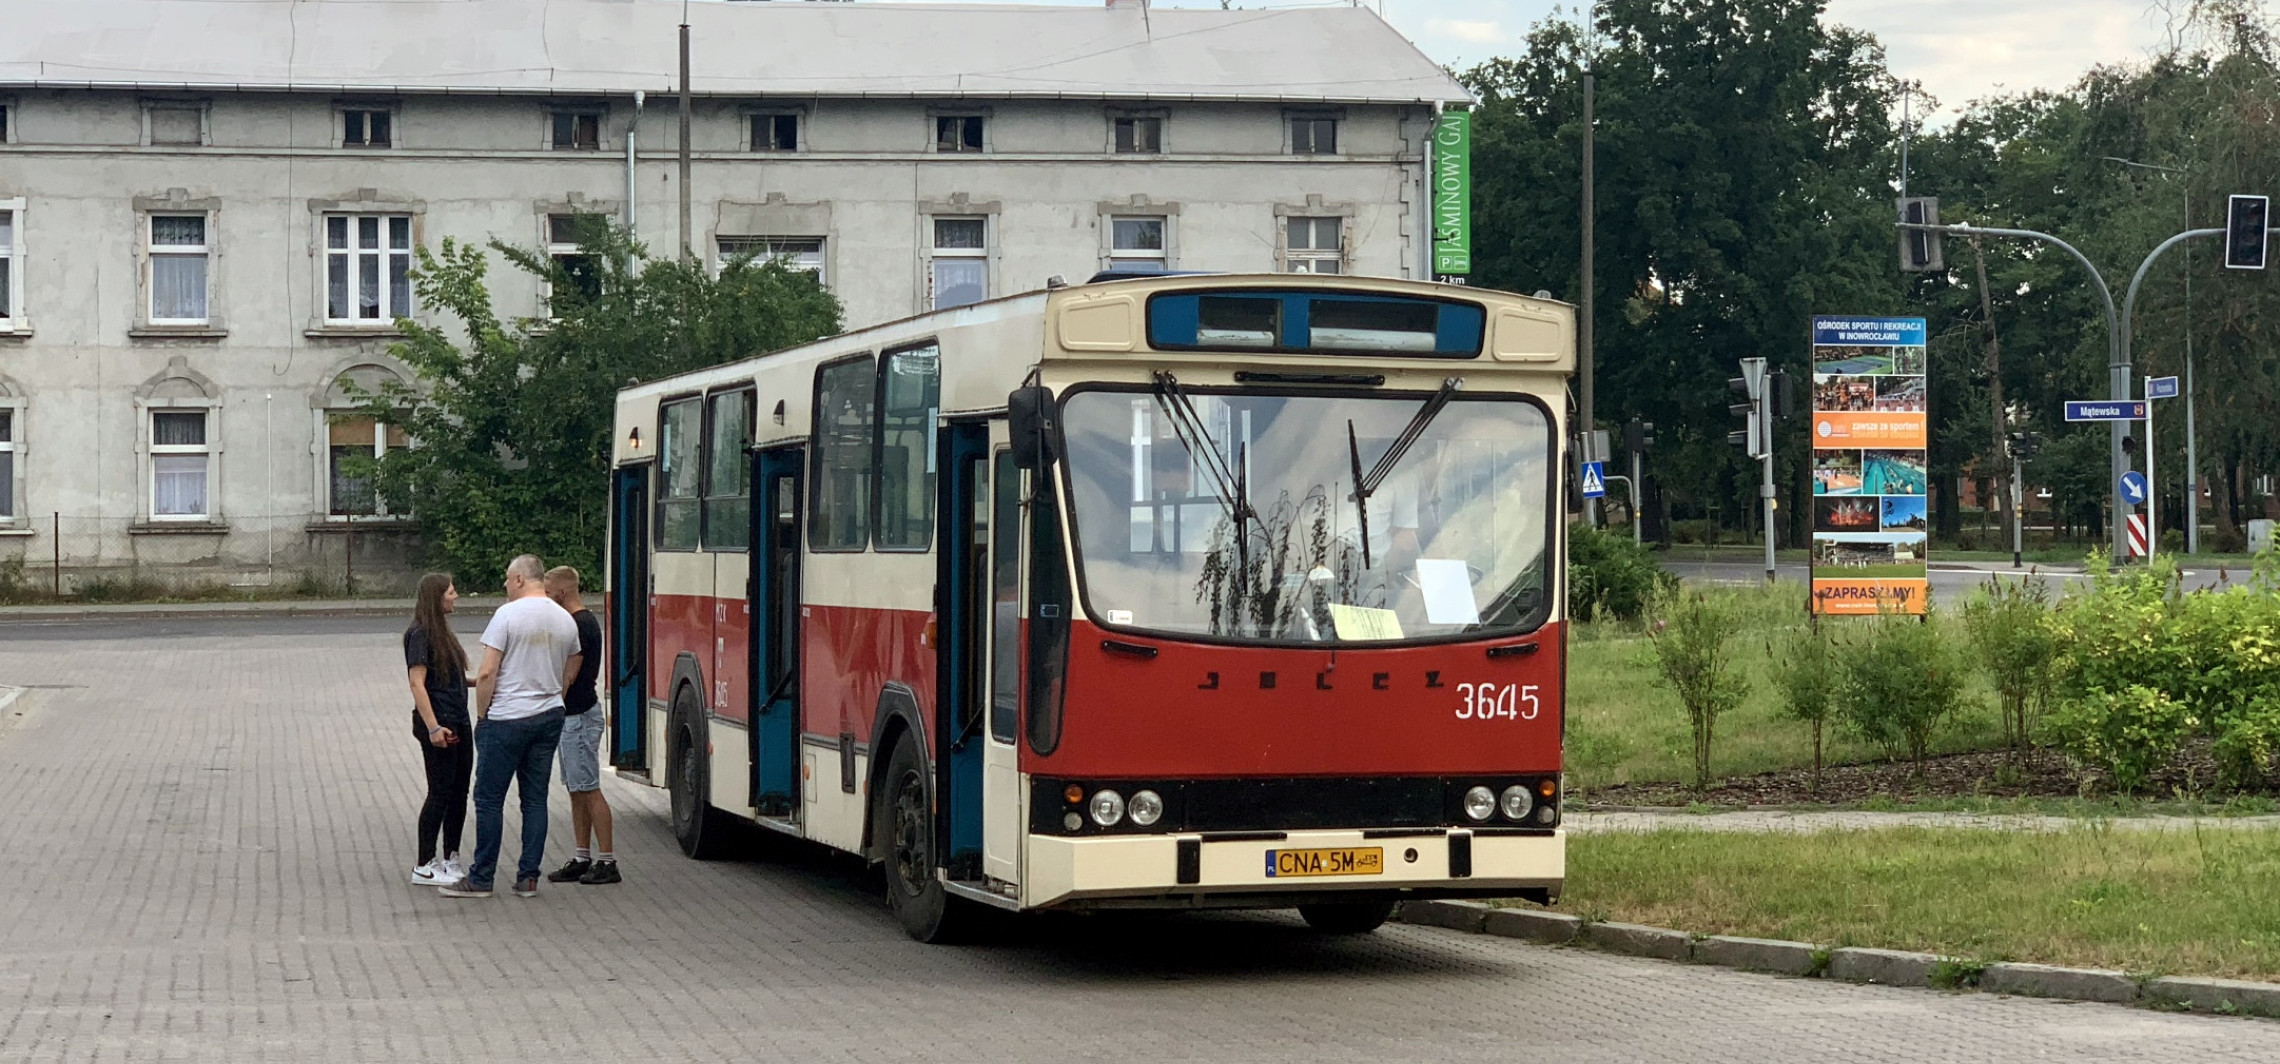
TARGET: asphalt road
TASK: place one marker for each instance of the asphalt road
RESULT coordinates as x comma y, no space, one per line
211,830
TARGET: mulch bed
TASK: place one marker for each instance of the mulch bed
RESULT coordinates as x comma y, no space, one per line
1990,774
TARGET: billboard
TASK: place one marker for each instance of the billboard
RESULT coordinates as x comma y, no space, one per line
1871,417
1452,194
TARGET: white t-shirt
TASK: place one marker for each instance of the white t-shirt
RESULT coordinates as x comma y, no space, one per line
535,639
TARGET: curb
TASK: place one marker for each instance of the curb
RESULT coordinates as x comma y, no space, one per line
1886,967
221,611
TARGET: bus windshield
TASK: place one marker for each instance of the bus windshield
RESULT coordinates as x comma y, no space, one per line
1234,515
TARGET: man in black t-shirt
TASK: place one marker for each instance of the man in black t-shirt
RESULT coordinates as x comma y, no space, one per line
582,727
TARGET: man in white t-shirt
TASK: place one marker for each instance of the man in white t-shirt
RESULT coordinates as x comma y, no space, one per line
530,654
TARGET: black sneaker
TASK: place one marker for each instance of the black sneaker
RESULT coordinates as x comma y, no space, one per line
602,872
526,887
571,872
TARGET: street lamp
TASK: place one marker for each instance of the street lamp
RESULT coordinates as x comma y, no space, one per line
2192,463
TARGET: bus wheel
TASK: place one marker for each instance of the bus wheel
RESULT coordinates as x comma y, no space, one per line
904,820
1346,917
700,828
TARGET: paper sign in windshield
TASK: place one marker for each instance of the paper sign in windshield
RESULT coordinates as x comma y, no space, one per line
1364,623
1447,585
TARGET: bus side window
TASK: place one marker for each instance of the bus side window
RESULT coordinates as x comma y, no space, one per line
728,482
1005,599
839,503
682,456
909,397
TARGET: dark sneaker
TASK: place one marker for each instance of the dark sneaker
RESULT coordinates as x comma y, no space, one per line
526,887
572,872
602,872
463,889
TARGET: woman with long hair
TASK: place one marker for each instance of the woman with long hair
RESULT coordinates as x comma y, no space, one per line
437,664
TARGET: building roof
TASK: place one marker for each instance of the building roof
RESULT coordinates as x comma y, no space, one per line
1335,54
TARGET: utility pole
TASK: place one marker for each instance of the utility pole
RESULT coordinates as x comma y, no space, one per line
1994,372
1584,337
687,245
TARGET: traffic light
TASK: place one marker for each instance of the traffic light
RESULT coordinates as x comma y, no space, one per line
1751,387
1920,249
1780,400
2025,444
2246,218
1638,436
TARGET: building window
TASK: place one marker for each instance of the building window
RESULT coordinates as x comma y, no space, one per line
4,127
11,294
796,252
909,399
179,260
368,264
960,272
839,507
1141,136
566,239
180,465
728,480
958,133
175,124
1314,245
1313,135
681,451
577,130
776,132
367,128
7,465
352,445
1136,243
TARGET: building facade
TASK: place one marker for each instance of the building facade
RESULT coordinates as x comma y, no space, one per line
206,227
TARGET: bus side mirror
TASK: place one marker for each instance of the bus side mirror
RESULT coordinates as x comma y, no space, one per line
1029,420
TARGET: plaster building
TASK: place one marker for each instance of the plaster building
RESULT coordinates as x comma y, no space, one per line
207,209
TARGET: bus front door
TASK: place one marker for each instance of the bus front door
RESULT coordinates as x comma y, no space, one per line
629,617
962,611
774,596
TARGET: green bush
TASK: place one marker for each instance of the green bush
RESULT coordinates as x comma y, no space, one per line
2127,734
2012,633
1692,634
1610,577
1899,681
1804,670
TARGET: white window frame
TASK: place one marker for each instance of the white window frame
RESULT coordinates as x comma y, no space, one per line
935,252
356,257
1159,257
1294,256
11,501
157,450
12,250
768,247
555,251
153,251
205,122
340,126
380,430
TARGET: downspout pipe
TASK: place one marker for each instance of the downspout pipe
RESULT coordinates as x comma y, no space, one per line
632,192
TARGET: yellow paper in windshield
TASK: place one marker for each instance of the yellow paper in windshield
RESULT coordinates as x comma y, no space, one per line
1363,622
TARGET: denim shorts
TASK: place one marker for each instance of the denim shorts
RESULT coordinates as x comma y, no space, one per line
582,751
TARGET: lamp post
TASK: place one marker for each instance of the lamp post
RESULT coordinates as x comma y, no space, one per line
2192,454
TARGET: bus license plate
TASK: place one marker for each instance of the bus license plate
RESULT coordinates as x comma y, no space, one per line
1360,861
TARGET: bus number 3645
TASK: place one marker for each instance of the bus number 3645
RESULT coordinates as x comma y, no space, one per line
1488,701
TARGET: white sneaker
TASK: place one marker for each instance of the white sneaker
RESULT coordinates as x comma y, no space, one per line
452,869
434,874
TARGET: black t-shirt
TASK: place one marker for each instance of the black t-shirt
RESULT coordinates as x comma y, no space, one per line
446,686
581,696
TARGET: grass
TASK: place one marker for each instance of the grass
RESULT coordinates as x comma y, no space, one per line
1623,726
2108,806
2146,902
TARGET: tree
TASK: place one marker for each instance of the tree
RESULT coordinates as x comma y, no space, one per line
511,427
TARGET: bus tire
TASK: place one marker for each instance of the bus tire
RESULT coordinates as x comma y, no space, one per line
904,820
701,830
1346,917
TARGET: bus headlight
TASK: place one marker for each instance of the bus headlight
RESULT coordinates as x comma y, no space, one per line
1107,808
1147,808
1517,802
1480,803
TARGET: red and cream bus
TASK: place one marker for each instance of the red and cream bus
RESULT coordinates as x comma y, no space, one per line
1172,592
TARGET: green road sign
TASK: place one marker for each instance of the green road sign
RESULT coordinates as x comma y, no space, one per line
1452,194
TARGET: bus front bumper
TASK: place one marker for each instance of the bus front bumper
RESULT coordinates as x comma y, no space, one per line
1262,869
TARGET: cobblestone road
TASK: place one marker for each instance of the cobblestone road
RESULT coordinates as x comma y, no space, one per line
208,837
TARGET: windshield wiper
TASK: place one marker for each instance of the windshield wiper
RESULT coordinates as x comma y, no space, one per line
1366,485
1232,487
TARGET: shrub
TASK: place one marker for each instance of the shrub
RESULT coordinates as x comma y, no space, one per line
1898,682
1610,576
1691,634
1805,671
2011,632
2125,733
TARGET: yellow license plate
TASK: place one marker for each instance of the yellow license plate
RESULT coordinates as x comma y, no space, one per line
1360,861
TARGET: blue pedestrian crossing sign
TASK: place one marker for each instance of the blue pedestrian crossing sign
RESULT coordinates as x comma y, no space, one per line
1594,480
2133,488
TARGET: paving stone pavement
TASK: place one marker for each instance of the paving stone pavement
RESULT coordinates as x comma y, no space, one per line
210,836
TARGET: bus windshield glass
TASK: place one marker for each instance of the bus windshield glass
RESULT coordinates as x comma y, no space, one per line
1234,515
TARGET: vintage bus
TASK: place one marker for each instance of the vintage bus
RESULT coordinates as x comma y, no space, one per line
1204,591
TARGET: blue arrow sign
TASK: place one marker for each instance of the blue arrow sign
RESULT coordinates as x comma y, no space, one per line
2096,410
1594,480
2161,388
2133,488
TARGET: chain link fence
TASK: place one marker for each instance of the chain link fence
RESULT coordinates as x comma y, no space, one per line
62,556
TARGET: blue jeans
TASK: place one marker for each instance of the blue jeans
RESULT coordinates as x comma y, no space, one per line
522,751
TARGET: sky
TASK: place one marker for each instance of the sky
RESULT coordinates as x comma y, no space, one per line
1959,50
